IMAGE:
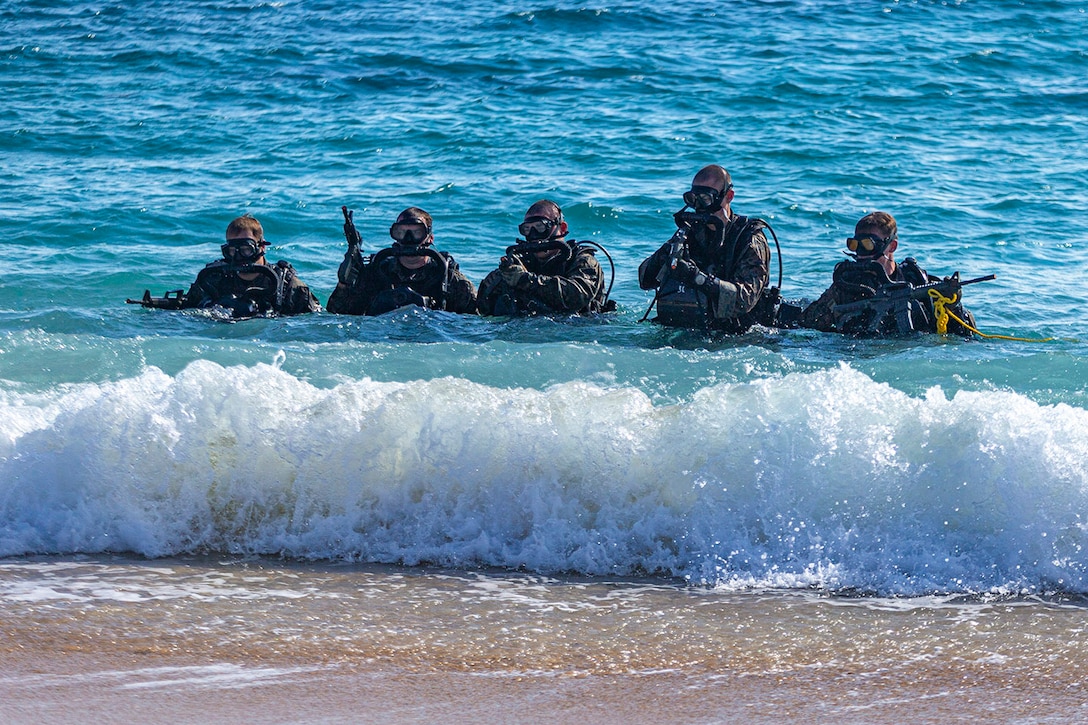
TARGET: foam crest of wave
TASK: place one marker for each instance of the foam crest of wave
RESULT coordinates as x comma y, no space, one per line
825,479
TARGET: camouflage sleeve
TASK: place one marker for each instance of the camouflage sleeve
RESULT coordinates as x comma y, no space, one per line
740,293
572,291
300,299
194,297
460,294
346,300
820,315
651,267
490,288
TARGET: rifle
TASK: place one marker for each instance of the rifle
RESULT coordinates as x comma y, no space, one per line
352,259
896,299
678,248
173,300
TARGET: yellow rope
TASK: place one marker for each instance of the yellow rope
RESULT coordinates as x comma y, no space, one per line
939,311
942,313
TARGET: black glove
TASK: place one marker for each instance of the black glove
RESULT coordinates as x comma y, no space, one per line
349,269
688,272
393,299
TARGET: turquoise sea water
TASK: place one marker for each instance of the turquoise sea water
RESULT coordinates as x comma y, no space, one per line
131,133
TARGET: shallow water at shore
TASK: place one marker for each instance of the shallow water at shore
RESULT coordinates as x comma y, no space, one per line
314,642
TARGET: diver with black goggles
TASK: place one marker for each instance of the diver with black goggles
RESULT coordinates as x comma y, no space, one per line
706,199
241,283
409,272
714,273
543,272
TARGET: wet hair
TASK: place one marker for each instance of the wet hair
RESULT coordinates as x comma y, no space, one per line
881,220
245,223
541,209
416,215
713,175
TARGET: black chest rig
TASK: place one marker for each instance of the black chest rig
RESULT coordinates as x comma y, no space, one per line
222,285
514,302
395,286
716,247
870,303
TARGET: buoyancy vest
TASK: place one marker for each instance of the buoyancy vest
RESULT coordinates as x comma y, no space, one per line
680,305
510,302
222,285
394,286
859,281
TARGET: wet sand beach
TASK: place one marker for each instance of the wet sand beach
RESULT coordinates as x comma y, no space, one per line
198,641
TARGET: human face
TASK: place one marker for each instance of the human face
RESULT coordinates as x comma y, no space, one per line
414,262
704,198
410,233
540,228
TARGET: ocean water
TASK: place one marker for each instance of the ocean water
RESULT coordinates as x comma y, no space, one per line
777,470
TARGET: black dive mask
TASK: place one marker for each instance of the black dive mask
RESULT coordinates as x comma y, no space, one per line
407,234
537,228
705,199
868,246
241,251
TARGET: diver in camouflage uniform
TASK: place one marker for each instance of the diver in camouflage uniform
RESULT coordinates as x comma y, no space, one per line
410,272
714,272
873,248
545,273
244,283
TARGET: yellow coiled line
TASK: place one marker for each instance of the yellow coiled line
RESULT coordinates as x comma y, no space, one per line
941,311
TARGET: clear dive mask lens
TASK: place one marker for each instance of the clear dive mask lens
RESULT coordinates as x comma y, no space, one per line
537,228
243,250
409,235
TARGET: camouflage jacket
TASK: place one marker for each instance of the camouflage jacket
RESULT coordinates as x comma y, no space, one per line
740,263
573,285
384,285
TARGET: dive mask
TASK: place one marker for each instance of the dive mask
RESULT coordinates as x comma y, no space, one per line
868,245
536,229
409,233
705,198
241,251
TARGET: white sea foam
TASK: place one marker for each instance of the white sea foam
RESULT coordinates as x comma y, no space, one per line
218,676
824,479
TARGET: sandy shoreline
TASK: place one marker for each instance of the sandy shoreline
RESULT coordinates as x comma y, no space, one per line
119,640
63,687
